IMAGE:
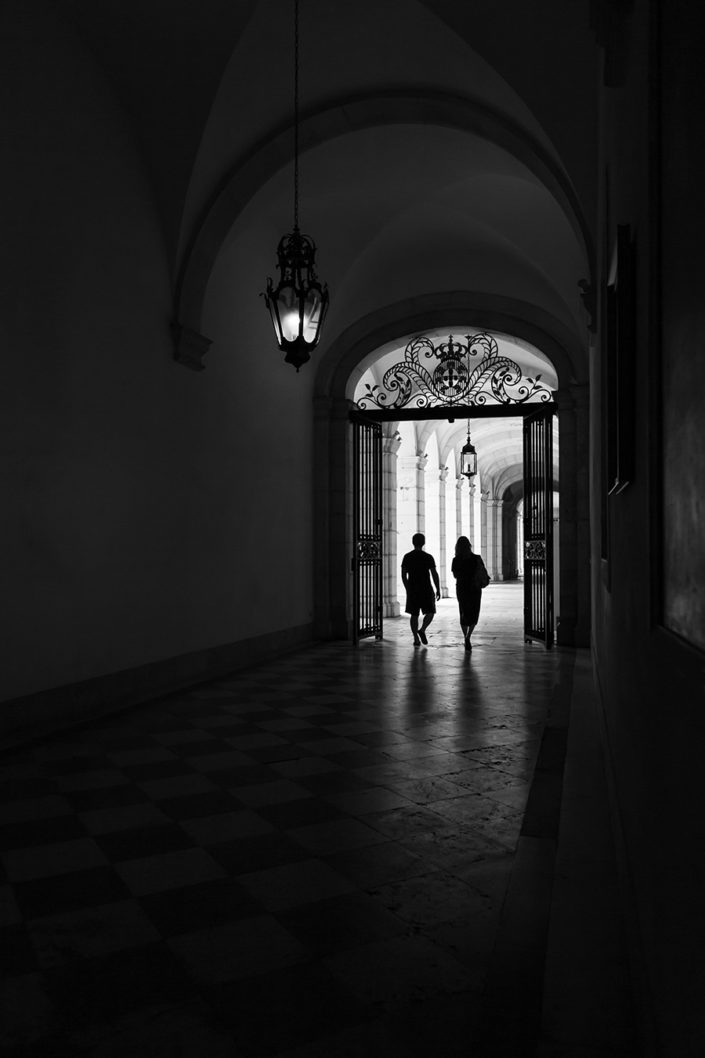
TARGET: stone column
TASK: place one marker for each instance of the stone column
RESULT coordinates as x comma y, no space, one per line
421,461
472,528
459,494
496,511
391,440
442,553
481,545
407,501
333,519
411,486
490,551
573,605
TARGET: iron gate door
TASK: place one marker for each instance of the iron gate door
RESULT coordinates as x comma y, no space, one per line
538,527
367,529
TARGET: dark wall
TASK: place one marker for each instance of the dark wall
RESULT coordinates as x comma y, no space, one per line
648,540
142,509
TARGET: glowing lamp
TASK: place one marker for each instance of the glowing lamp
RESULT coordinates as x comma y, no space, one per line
468,458
298,303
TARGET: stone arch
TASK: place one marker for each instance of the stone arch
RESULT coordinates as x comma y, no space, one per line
336,372
335,378
346,116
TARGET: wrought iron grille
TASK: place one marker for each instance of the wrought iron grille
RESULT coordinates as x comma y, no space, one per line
367,529
538,527
451,373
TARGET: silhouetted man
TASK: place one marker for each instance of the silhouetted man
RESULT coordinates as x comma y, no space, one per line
416,569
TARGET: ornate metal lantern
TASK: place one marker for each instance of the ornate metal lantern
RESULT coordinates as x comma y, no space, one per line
298,303
468,458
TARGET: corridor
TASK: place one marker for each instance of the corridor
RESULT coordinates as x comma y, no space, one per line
341,853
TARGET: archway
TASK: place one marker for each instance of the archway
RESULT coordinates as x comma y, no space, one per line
436,376
573,604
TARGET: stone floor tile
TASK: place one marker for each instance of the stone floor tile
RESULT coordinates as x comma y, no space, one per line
90,932
67,892
363,802
336,835
92,991
226,826
151,874
305,766
29,1014
177,786
341,922
91,780
429,899
141,756
280,1010
291,884
42,861
122,817
269,886
47,807
402,970
219,761
280,791
201,905
371,867
161,1031
236,950
9,911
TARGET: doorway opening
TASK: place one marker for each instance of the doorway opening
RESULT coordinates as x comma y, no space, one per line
508,508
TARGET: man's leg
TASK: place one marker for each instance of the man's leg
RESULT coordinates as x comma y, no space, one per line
414,623
427,618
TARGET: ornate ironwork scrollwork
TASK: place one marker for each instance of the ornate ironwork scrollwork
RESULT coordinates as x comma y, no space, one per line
535,550
368,550
464,373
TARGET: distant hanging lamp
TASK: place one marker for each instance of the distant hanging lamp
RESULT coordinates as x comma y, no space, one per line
468,458
298,303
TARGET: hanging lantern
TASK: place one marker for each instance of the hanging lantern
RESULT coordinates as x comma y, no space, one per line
299,302
468,458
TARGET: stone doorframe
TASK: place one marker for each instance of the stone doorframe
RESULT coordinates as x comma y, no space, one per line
337,374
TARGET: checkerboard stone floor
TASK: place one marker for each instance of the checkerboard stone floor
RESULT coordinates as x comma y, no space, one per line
307,858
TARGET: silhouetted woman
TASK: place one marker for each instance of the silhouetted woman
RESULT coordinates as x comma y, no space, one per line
470,578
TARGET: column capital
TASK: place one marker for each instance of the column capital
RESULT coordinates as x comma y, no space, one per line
564,399
391,443
588,295
334,408
580,392
443,474
189,346
573,395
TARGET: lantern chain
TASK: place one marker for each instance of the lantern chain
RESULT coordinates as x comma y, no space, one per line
296,115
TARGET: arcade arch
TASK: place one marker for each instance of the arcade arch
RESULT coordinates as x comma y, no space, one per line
407,446
432,497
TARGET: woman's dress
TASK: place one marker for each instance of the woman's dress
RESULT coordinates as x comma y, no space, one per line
469,597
